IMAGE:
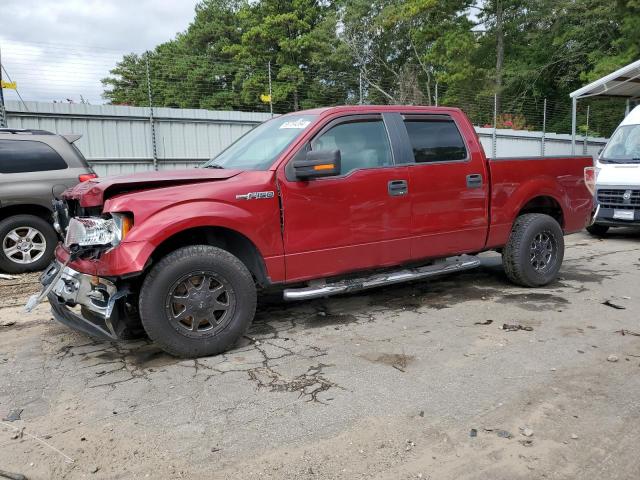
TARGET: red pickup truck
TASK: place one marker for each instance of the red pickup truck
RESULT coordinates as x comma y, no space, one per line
317,202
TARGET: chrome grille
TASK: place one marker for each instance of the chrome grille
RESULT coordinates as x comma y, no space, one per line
615,198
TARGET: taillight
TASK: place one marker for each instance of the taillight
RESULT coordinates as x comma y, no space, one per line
87,176
590,179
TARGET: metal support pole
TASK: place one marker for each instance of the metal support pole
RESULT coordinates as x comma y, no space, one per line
360,88
436,94
154,147
3,112
574,106
586,133
494,137
544,127
270,91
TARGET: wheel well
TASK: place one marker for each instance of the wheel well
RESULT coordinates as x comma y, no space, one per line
229,240
37,210
546,205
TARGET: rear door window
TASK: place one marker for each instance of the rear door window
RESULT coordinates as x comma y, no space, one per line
435,140
21,156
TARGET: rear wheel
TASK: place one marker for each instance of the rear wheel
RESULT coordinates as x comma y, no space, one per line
197,301
597,229
27,243
535,250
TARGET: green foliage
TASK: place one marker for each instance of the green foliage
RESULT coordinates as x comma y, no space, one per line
321,51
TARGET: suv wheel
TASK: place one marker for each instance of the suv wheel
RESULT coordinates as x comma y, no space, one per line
533,255
197,301
27,243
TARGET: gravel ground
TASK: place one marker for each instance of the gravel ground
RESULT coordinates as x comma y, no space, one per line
413,381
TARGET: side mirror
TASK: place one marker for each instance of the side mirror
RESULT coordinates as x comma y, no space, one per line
322,163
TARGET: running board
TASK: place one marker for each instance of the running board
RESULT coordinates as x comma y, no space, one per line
441,267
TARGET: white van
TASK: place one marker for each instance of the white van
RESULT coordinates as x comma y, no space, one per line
617,193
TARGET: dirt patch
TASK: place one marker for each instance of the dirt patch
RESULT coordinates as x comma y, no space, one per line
534,302
399,361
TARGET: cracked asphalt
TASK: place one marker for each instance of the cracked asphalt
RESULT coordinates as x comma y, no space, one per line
405,382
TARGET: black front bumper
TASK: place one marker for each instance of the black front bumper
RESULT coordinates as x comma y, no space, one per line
605,217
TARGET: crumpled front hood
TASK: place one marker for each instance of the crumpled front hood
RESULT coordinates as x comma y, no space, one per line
93,193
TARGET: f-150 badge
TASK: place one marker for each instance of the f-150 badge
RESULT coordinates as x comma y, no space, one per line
255,195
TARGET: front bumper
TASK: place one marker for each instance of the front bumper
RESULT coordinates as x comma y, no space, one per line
607,216
100,301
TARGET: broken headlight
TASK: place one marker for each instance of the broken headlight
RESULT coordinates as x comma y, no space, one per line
96,231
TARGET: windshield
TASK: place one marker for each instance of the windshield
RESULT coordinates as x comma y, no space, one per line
259,148
624,146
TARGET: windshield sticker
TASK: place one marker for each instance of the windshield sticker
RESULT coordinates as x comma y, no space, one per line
299,124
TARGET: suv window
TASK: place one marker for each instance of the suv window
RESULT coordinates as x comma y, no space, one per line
18,156
435,140
362,144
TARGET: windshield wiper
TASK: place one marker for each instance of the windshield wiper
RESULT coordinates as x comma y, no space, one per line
213,165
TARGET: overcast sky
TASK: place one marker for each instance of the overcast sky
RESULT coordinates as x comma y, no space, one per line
61,49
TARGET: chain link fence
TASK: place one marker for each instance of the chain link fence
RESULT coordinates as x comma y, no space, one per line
75,74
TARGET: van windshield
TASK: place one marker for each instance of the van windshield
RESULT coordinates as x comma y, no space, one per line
624,146
260,147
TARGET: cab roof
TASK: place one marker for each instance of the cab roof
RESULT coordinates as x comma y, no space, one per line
324,111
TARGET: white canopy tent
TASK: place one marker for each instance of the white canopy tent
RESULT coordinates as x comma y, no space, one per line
624,82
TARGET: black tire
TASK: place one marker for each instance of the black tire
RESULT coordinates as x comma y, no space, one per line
177,270
11,263
527,258
598,230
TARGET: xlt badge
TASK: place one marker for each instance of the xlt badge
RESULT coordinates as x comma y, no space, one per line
255,195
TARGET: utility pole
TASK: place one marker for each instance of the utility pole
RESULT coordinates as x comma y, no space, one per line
270,91
3,112
153,126
360,87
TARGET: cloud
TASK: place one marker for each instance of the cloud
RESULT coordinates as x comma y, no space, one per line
59,50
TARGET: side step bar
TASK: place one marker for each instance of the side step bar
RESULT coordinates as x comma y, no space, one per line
441,267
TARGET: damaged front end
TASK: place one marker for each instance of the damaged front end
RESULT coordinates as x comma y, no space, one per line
93,305
101,307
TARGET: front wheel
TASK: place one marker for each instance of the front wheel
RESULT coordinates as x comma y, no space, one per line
197,301
533,255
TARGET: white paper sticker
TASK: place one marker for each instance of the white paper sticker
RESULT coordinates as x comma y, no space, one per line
299,124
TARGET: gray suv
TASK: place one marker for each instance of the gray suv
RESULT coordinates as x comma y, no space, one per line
35,167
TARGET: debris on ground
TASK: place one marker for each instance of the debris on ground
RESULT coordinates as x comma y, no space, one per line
515,327
18,435
486,322
574,436
624,332
611,304
612,358
526,431
13,415
410,445
4,276
7,323
473,432
12,476
527,442
95,469
501,433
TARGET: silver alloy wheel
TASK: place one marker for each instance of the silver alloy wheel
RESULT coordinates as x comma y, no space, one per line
543,251
24,245
200,304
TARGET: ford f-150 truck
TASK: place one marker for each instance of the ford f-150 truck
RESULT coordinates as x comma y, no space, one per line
317,202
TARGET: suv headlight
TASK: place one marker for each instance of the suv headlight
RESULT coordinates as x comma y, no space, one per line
96,231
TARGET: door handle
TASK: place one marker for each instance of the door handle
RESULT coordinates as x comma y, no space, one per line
474,180
397,188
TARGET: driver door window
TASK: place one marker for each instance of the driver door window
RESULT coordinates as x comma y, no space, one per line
362,144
